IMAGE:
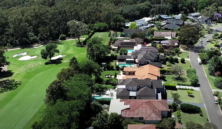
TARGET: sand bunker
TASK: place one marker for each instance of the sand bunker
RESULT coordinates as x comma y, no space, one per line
27,57
20,54
57,57
38,46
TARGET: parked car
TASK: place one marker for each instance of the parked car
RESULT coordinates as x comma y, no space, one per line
199,60
215,98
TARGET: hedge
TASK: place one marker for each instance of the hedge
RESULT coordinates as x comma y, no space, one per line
62,37
191,70
170,86
190,108
184,84
103,101
163,71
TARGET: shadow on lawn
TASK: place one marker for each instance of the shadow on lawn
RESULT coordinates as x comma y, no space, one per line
6,74
8,85
58,61
179,79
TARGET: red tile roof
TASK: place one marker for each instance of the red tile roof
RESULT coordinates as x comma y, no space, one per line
148,109
132,126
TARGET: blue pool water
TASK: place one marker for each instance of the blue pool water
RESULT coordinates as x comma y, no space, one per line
100,97
130,51
126,65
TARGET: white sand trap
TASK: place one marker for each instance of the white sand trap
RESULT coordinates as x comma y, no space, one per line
57,57
38,46
20,54
27,57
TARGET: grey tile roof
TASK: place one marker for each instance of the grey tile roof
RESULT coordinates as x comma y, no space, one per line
135,31
146,92
157,64
123,92
171,26
134,82
123,57
175,22
157,83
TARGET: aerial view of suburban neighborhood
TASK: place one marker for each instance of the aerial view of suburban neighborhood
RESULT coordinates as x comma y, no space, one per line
110,64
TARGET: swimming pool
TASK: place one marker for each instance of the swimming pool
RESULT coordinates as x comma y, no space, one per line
130,51
126,65
100,97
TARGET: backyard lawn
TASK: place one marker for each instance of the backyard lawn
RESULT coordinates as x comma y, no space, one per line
184,79
210,78
84,36
21,107
196,118
104,36
196,98
109,72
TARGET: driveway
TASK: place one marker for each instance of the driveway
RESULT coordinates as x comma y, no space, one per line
213,110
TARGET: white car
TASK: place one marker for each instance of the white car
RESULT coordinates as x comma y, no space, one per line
215,98
199,60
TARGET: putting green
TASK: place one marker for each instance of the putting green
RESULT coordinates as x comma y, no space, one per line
19,108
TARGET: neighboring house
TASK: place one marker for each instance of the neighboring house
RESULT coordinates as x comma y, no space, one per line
139,23
204,20
128,44
197,14
139,126
163,17
143,72
133,88
173,24
164,34
177,16
139,110
128,32
169,43
145,55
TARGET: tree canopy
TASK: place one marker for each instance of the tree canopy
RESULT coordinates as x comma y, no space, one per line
49,51
133,25
189,34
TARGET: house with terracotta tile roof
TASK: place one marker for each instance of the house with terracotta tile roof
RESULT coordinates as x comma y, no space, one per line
143,72
138,126
140,110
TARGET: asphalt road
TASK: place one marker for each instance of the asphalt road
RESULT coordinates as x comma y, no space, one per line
213,110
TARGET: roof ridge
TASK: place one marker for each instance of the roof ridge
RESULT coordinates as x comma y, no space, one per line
155,110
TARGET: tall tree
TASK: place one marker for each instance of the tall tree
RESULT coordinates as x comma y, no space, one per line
77,29
90,68
49,51
167,123
65,74
114,121
177,70
2,58
202,4
133,25
101,121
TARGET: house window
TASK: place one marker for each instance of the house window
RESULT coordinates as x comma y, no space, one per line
131,118
141,118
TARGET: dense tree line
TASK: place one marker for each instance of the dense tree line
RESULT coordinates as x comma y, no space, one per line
24,22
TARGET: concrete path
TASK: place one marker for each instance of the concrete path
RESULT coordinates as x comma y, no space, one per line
188,87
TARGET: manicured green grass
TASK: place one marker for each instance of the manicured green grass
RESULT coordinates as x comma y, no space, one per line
210,78
196,118
196,98
210,45
184,55
184,79
20,107
84,36
109,72
104,36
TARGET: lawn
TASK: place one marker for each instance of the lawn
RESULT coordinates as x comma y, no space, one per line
104,36
21,107
84,36
184,55
184,79
196,98
210,78
109,72
196,118
210,45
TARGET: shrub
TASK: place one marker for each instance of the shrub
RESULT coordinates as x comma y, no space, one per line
190,108
174,106
218,73
191,70
62,37
111,81
163,71
162,77
218,82
182,60
159,38
171,86
176,59
171,59
166,58
216,93
215,35
117,67
168,64
103,101
178,113
201,113
193,79
189,92
96,107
